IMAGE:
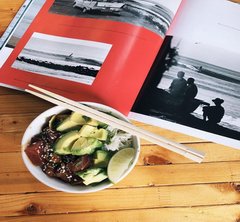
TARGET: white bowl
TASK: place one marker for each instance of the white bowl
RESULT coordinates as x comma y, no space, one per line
35,127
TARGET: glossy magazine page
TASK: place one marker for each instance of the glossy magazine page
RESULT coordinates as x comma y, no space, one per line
194,88
99,52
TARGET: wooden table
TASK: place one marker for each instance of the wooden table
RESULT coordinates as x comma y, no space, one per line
163,186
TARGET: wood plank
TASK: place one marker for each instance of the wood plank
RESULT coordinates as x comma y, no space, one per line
156,155
177,174
196,214
6,5
17,123
8,10
10,91
176,214
2,30
150,154
25,104
182,138
25,114
141,176
138,198
6,18
10,142
235,1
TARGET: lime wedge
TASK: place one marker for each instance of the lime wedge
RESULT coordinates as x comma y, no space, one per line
119,163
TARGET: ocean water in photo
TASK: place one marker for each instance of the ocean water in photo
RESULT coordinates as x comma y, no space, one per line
56,59
222,83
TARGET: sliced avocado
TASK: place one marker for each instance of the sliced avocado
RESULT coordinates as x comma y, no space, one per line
85,145
75,120
82,119
101,158
92,175
64,143
52,122
91,131
67,125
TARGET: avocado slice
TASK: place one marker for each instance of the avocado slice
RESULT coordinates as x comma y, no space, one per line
85,145
67,125
75,120
93,175
65,142
101,158
91,131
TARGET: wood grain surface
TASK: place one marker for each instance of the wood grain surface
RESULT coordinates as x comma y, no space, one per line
163,186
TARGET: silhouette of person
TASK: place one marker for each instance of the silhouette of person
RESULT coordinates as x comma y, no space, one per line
214,114
190,93
191,90
178,85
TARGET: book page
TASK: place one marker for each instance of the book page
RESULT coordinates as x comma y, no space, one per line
203,46
99,52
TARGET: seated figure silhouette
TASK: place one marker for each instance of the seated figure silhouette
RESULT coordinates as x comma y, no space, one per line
214,114
178,85
189,94
191,90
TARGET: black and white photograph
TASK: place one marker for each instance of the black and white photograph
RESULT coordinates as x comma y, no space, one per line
196,86
64,58
152,15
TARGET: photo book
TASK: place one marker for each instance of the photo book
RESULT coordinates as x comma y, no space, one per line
173,64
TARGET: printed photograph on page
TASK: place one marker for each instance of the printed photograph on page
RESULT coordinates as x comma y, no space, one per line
154,15
195,86
64,58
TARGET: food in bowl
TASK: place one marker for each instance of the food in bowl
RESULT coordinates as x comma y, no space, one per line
81,151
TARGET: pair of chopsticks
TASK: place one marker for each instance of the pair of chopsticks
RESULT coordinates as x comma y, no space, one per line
188,152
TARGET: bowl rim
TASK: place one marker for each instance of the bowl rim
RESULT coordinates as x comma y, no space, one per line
55,183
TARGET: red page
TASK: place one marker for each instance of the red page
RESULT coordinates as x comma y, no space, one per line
127,52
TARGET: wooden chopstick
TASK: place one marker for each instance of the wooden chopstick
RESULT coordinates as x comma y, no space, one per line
188,152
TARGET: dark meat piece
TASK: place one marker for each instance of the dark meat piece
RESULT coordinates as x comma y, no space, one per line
49,169
76,180
81,163
68,158
54,158
51,135
35,151
64,173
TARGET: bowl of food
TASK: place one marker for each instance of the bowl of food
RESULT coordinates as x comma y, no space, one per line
71,152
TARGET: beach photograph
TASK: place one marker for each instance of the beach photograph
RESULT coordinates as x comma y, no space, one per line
65,58
152,15
196,86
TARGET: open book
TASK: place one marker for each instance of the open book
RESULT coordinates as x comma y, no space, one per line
173,64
